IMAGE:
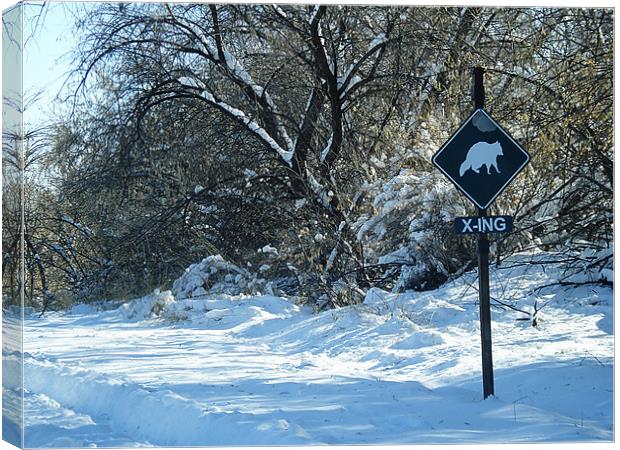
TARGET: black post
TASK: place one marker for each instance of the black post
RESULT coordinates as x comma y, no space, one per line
478,87
483,270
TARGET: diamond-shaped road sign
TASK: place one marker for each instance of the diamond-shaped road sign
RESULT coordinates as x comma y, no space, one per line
481,158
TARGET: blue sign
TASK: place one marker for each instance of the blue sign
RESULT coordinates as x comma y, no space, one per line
481,159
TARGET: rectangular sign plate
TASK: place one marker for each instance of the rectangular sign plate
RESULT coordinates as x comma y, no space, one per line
483,224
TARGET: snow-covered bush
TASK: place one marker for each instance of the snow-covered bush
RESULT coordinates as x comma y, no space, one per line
591,266
149,306
215,275
212,272
341,292
410,233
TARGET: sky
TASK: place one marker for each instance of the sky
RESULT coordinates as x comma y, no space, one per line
11,76
46,62
47,40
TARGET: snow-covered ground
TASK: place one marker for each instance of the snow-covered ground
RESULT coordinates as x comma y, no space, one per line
398,369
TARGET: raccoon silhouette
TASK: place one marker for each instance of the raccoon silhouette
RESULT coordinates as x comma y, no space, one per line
482,154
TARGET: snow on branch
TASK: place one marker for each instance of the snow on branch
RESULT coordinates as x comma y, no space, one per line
189,82
241,76
314,13
240,116
319,190
376,42
83,228
238,71
307,108
280,11
349,80
327,148
251,125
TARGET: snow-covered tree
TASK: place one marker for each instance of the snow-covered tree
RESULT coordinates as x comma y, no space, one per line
200,129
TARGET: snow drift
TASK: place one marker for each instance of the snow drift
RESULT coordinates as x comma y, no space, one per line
178,368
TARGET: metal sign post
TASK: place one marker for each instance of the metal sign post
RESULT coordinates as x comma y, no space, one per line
482,159
488,385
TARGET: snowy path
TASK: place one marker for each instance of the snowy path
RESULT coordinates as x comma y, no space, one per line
259,370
